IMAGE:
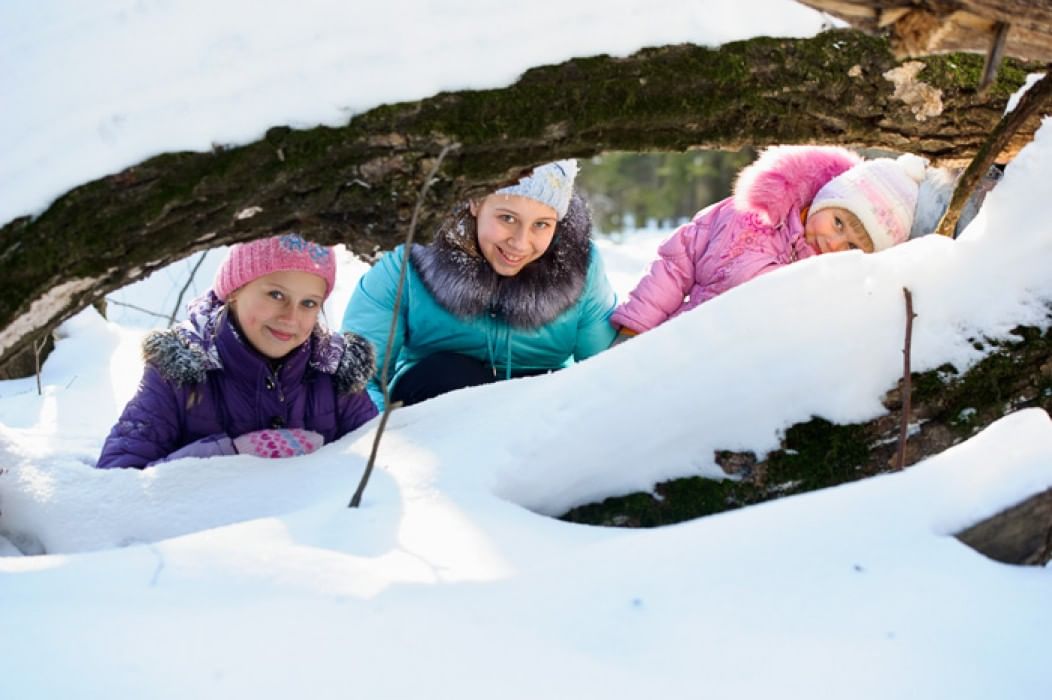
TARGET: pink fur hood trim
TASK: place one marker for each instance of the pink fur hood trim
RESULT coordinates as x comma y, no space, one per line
787,176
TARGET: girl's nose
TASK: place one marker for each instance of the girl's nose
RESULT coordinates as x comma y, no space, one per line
288,312
837,242
517,240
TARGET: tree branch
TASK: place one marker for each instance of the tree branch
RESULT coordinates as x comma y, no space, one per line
1028,106
356,499
182,292
139,309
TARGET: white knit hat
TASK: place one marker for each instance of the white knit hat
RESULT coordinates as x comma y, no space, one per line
550,184
882,193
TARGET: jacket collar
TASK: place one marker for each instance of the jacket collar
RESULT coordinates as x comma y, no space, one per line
209,341
461,280
244,364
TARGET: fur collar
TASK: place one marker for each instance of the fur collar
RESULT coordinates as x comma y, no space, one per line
463,282
788,177
185,353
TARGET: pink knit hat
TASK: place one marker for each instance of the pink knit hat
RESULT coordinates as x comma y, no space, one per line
249,261
882,193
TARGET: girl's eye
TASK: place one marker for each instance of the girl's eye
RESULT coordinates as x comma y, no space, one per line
507,218
276,295
838,223
852,246
310,303
542,225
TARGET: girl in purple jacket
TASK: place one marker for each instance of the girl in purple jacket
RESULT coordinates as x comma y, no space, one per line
791,203
251,370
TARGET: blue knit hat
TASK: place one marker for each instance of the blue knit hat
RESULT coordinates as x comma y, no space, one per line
550,184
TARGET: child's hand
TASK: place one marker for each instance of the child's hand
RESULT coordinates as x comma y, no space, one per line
210,446
622,335
278,442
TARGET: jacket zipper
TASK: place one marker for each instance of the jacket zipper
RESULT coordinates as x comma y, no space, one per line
274,385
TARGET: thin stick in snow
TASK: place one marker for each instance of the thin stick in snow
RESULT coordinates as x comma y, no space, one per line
904,429
356,499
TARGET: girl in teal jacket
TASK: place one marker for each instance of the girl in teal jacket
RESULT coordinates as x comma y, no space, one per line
511,286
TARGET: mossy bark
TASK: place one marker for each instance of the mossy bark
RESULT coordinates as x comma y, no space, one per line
358,184
946,408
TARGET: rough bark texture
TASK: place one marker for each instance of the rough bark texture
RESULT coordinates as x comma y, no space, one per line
1020,535
1033,101
921,27
358,184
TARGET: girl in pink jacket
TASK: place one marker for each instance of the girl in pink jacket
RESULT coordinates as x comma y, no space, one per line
791,203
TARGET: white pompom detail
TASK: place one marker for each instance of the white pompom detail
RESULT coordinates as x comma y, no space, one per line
913,165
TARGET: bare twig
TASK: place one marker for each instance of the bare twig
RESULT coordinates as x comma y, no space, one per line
136,308
1029,104
189,281
356,499
994,55
904,428
38,347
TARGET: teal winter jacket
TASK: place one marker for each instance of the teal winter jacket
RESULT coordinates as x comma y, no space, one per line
554,311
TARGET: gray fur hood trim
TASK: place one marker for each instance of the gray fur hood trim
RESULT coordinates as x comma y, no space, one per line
357,364
184,358
455,272
177,361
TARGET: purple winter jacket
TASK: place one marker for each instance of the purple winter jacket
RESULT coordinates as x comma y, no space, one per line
756,230
203,385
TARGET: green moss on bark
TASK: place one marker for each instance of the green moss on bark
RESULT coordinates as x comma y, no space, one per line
947,408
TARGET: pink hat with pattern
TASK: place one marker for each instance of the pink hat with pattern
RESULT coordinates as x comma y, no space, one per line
882,193
250,261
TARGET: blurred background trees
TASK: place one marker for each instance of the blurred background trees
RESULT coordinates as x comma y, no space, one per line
629,191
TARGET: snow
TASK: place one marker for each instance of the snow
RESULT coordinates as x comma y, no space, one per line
241,577
101,86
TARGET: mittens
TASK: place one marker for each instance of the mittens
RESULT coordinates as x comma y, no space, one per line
278,442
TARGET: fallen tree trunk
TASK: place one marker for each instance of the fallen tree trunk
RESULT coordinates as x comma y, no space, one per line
920,27
358,184
1020,535
945,408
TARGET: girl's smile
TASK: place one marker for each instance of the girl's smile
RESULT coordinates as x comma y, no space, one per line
509,258
282,337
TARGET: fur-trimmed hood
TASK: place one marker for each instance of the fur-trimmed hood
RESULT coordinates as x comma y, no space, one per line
787,176
185,353
461,280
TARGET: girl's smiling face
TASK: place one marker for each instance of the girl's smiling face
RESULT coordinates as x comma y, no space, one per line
831,231
277,312
513,231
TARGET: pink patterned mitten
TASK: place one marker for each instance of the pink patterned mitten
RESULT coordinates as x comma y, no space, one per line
278,442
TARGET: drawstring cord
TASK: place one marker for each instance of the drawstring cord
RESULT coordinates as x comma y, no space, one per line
491,346
507,365
490,342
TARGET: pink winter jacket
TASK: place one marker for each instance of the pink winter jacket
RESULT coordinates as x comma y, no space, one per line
754,231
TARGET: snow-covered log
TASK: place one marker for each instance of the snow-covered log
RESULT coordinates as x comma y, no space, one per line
358,184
